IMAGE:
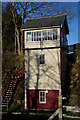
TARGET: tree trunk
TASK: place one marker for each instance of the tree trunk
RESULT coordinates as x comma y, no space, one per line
18,42
21,42
22,36
15,41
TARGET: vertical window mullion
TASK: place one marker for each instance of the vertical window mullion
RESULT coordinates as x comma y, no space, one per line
41,36
36,36
47,34
42,97
26,37
56,34
31,36
52,34
43,59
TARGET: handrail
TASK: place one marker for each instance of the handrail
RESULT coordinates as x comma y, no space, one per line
8,78
6,82
21,69
16,75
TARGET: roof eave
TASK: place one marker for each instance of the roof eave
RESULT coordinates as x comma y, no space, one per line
65,22
38,28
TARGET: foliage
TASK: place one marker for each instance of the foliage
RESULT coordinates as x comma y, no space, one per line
69,113
11,61
75,81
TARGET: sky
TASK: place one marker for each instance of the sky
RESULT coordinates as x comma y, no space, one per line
73,31
73,27
73,24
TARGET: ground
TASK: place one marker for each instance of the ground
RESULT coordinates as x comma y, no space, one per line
30,117
39,116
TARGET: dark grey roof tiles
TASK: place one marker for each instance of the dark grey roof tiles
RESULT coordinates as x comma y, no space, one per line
44,21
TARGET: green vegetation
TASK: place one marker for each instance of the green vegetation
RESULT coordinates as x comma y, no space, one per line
11,62
17,99
74,79
71,119
69,113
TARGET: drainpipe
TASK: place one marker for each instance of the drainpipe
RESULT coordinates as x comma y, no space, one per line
25,92
60,96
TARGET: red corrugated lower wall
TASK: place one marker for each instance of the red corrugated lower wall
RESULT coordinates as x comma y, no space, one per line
51,99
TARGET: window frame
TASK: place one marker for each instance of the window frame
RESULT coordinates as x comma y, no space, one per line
41,96
42,37
43,59
30,36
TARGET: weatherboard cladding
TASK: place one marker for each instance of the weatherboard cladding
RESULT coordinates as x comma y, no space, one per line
44,22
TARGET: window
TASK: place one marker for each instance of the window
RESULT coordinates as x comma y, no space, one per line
42,59
29,36
39,36
43,35
42,97
55,34
35,36
50,35
32,36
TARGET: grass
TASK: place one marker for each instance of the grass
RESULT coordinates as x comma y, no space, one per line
14,108
71,119
72,114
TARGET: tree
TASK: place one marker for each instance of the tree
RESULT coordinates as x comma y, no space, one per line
17,34
8,28
35,9
21,9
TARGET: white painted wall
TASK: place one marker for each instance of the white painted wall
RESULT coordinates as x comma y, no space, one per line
45,76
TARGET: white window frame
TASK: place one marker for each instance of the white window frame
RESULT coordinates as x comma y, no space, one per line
44,96
42,34
27,36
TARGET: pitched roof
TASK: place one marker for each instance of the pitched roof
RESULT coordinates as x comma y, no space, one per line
47,21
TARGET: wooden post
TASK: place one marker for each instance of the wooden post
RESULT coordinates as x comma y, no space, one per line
60,106
25,107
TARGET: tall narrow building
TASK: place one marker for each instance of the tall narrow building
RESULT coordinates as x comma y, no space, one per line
45,60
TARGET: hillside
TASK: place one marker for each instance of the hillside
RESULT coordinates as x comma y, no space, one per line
73,77
12,62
